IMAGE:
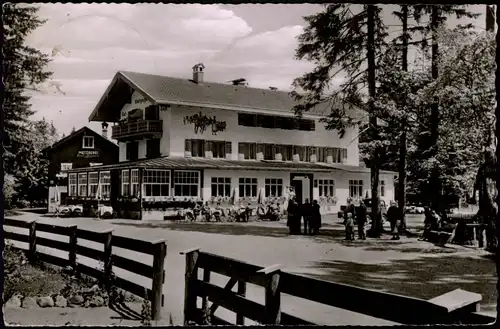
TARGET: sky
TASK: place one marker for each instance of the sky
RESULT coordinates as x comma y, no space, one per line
89,43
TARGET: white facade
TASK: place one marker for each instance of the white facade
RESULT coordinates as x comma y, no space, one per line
175,132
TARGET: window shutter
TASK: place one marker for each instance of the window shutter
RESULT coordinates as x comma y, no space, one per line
187,145
229,148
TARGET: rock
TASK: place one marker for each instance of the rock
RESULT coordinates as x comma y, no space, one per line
76,299
45,301
29,302
94,288
61,301
96,301
14,302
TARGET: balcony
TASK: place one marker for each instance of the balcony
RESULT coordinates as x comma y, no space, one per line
137,130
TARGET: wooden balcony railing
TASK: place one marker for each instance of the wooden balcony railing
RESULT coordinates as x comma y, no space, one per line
138,129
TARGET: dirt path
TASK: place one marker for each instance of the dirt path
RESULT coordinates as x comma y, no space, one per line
406,267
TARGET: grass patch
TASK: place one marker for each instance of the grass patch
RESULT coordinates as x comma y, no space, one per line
27,279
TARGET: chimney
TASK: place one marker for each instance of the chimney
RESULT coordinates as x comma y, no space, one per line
104,126
198,73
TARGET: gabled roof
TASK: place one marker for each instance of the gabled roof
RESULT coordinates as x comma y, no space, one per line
167,90
82,131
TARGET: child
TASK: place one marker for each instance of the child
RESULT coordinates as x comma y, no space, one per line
349,227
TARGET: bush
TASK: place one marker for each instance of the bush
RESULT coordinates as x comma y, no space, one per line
27,279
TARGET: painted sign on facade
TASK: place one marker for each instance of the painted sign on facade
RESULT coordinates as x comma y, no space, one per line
88,154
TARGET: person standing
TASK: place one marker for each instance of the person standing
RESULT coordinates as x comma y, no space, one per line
349,208
306,215
293,214
315,217
392,216
361,216
349,227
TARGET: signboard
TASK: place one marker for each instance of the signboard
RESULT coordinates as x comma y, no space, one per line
88,154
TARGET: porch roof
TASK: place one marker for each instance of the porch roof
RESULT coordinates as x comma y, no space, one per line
180,163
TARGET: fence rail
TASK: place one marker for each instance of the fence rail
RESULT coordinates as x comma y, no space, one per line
458,306
155,271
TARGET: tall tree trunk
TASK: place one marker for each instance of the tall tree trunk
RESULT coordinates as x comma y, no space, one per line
497,133
434,179
403,137
490,27
374,170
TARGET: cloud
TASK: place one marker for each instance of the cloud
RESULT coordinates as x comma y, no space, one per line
91,42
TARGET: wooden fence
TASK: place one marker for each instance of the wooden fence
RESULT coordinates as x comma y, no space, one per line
158,249
458,306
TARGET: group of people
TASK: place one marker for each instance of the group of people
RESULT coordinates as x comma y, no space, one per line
309,212
360,215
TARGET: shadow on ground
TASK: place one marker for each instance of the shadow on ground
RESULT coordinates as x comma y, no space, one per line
424,278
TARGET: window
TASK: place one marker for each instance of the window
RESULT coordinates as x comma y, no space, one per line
249,150
93,183
321,154
134,182
72,185
196,146
287,152
105,184
66,166
280,122
93,164
381,188
218,149
125,182
88,142
132,151
300,150
269,151
274,187
356,188
221,186
248,187
82,184
186,183
156,183
326,187
153,148
246,119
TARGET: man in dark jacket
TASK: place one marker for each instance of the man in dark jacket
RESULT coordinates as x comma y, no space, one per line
315,217
392,217
306,215
293,216
361,220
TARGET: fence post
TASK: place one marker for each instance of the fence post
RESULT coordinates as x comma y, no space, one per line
242,290
108,264
157,288
206,278
72,246
191,275
273,294
32,242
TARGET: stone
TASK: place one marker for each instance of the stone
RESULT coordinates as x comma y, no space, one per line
60,301
45,301
29,302
94,288
96,301
76,300
14,302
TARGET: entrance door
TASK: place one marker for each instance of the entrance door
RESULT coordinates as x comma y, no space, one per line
297,185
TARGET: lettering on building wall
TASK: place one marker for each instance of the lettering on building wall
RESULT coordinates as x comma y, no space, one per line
88,154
